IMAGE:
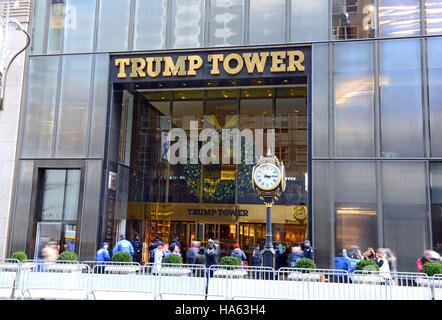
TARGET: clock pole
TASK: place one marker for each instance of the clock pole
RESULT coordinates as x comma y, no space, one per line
268,195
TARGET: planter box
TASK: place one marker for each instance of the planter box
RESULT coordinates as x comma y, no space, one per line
65,268
122,269
304,276
174,271
223,273
367,279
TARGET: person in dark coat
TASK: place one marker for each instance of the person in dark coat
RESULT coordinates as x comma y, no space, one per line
176,241
138,247
308,251
210,254
257,256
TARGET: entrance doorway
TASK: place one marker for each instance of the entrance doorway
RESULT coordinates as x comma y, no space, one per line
213,199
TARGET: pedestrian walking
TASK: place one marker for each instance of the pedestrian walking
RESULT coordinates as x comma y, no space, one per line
420,263
238,253
40,258
308,250
138,248
50,252
192,252
102,256
296,254
123,246
158,258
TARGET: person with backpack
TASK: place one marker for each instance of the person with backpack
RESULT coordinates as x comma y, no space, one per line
238,253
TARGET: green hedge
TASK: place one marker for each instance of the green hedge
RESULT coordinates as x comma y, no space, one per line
173,258
19,255
67,256
230,261
432,268
122,257
367,265
305,263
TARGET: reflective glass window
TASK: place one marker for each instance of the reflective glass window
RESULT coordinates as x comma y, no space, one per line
187,23
60,194
435,94
150,24
399,18
354,99
73,106
40,107
113,25
321,213
404,207
401,98
433,18
38,26
267,21
79,25
309,20
353,19
436,205
226,22
355,203
99,106
320,96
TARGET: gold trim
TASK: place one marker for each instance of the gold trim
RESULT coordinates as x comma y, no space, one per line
268,204
266,189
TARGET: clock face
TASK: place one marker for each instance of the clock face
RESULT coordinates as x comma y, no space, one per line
267,176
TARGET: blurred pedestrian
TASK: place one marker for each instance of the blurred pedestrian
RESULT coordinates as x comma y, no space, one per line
70,246
420,263
200,257
138,248
369,254
352,260
192,252
295,255
40,258
257,256
158,257
50,252
391,258
123,246
176,240
102,256
384,267
308,250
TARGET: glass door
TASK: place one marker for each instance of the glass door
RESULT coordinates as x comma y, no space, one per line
47,231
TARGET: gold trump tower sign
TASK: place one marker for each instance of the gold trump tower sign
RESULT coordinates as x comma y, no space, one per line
208,65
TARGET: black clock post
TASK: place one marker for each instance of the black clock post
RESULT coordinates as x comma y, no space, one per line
268,196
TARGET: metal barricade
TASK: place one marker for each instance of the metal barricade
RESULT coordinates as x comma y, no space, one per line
312,284
9,275
176,281
239,282
53,280
437,286
120,280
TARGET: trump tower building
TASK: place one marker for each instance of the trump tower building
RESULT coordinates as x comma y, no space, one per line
347,93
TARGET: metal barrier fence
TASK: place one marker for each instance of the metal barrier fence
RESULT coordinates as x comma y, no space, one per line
112,280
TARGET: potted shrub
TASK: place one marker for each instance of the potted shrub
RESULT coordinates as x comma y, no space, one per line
367,271
20,256
305,267
430,269
67,261
173,266
230,266
123,264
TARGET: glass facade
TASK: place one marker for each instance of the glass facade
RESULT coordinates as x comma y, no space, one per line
373,96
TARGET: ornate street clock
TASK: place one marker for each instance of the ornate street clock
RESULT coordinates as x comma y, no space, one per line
269,181
268,178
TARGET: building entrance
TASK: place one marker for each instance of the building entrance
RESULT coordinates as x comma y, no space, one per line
196,183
